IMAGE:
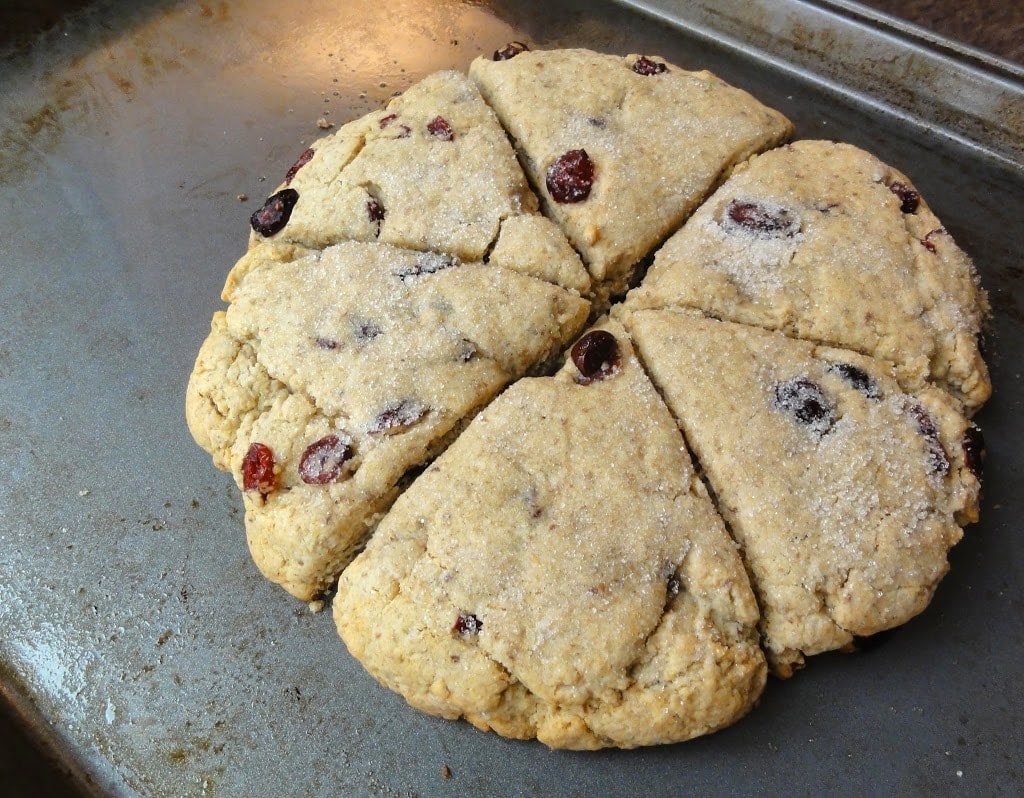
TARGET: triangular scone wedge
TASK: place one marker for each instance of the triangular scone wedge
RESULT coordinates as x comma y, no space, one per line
655,140
332,375
825,242
560,573
433,171
844,492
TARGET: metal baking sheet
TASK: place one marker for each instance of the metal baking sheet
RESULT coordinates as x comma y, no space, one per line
137,641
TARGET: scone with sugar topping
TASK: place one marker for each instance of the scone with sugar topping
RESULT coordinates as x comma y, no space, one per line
560,573
844,492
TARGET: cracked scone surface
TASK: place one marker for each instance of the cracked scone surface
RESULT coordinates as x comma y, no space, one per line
825,242
560,573
844,492
388,351
658,139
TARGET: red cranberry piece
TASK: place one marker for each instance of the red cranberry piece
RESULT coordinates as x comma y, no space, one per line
596,355
938,460
438,126
324,461
909,199
974,450
302,161
805,401
764,221
467,625
398,416
275,213
857,378
510,50
404,131
570,178
258,469
387,120
645,66
927,242
374,210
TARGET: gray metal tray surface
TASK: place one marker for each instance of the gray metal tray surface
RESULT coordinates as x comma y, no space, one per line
137,641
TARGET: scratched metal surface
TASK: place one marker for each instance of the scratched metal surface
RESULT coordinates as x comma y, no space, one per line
136,638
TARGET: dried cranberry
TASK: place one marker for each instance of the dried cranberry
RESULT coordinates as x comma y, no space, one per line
374,210
938,460
909,199
324,461
762,220
927,242
857,378
429,263
510,50
806,402
387,120
364,329
645,66
404,131
258,469
467,625
438,126
326,343
974,450
596,355
302,161
398,416
570,178
275,213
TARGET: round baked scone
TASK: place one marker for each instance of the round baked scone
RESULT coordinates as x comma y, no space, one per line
844,492
823,241
331,375
621,150
560,573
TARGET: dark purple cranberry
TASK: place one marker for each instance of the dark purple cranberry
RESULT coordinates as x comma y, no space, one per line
364,329
258,469
374,210
804,401
510,50
938,460
398,416
762,220
596,355
570,178
322,342
438,126
909,199
275,213
295,167
974,450
387,120
467,625
428,263
857,378
404,131
323,462
645,66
